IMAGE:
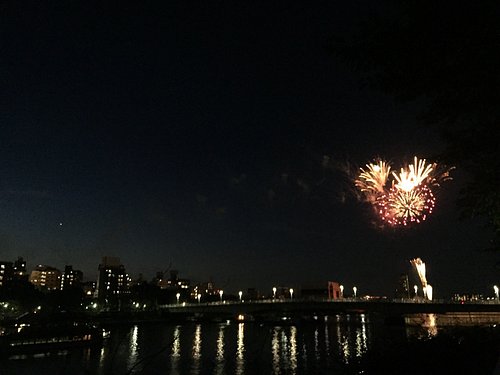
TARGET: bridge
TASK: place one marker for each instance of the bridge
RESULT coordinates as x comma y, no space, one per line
273,310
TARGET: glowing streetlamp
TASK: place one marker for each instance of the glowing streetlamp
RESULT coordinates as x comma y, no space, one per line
415,288
199,298
291,293
274,292
341,291
178,295
221,292
495,288
355,290
240,293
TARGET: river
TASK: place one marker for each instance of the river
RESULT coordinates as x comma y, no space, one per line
329,345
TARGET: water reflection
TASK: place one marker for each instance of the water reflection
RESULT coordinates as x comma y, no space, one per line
344,345
219,358
240,350
102,356
195,369
132,357
304,354
176,351
293,349
237,348
421,325
275,348
86,354
327,340
430,324
361,339
351,337
327,343
285,350
316,344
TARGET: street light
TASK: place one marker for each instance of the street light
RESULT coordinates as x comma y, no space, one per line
178,295
199,298
291,293
221,292
240,293
355,290
495,288
274,292
341,291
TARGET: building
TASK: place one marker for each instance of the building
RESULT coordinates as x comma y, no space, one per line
279,292
467,297
174,282
334,290
89,288
71,278
205,290
45,277
252,294
112,280
317,292
403,287
19,269
13,271
6,272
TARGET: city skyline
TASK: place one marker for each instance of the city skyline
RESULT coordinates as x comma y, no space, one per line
400,289
209,140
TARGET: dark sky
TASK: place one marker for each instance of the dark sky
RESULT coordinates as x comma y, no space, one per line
204,137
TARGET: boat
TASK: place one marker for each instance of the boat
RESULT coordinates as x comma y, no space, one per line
28,335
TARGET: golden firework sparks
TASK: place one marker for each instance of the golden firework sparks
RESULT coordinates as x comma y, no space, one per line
374,178
406,197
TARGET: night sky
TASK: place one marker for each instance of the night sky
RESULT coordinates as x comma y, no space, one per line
207,138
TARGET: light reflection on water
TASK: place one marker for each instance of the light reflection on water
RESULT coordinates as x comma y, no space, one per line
284,349
316,344
132,357
196,353
234,348
289,347
176,351
219,369
276,351
240,350
422,326
293,349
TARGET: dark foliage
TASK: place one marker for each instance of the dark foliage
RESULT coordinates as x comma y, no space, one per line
23,292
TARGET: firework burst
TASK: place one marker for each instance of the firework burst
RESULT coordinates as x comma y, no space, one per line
373,179
402,207
401,198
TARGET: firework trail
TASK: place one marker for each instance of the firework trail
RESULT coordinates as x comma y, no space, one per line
420,267
401,198
428,290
